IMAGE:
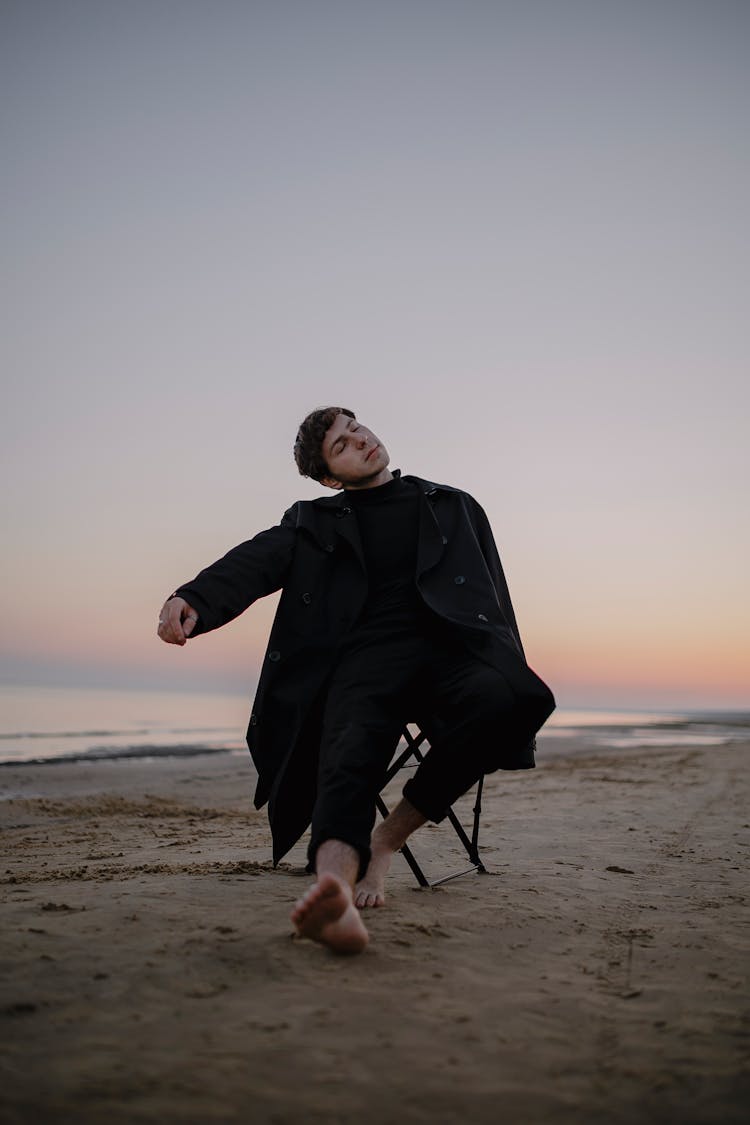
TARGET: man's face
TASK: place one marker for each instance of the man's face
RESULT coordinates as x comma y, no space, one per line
356,458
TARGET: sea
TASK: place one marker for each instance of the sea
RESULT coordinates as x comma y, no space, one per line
63,724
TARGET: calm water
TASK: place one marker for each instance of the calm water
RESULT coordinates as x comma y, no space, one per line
52,724
45,723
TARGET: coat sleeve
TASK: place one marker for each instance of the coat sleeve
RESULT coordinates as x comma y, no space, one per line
255,568
495,567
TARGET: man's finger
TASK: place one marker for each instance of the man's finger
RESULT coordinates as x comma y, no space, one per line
169,634
170,626
189,623
173,611
174,621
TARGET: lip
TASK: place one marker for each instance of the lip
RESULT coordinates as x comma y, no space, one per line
373,450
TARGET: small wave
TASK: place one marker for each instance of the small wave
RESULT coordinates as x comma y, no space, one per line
112,753
114,733
665,739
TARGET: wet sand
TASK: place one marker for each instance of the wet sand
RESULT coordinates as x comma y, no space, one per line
598,972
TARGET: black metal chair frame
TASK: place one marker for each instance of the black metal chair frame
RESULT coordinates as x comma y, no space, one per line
413,749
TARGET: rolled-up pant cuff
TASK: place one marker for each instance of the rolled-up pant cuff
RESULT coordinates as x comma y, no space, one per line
424,802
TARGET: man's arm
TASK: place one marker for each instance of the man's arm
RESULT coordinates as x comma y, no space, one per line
225,589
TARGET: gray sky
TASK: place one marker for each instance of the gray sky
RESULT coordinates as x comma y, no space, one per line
511,236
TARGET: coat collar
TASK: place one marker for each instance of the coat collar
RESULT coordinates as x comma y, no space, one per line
344,524
428,487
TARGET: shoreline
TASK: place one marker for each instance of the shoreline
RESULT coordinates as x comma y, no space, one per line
581,741
82,727
597,972
138,754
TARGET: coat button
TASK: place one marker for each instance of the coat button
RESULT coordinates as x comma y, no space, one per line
274,656
307,598
459,579
330,547
253,720
481,617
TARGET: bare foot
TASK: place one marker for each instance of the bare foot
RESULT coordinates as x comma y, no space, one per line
328,915
388,838
370,890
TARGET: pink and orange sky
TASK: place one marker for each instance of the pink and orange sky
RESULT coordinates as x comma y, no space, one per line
512,237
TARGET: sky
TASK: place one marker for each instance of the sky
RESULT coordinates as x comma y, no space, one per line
512,236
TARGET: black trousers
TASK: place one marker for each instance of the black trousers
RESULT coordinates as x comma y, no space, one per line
381,682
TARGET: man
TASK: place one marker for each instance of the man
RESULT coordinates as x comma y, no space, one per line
394,608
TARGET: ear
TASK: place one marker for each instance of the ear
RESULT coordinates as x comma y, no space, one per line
331,482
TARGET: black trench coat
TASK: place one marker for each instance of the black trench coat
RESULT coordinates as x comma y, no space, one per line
315,555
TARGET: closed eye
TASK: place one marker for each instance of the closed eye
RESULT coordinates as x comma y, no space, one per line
341,441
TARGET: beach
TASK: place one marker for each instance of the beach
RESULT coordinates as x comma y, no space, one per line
597,971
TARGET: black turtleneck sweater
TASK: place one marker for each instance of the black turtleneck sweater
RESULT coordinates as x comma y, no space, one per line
388,520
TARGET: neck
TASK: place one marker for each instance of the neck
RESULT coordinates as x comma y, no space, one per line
370,482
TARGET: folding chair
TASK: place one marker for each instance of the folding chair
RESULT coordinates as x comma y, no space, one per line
414,744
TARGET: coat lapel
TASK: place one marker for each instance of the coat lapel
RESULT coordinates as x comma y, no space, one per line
346,527
339,522
431,542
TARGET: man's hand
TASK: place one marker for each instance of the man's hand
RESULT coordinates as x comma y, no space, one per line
176,621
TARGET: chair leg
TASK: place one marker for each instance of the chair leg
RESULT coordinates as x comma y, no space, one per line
474,853
460,832
419,874
471,845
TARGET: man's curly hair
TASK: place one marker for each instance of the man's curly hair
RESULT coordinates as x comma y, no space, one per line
308,445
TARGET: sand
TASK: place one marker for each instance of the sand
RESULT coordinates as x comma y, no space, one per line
597,973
